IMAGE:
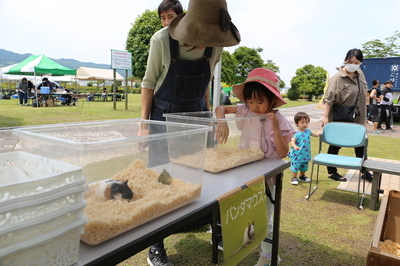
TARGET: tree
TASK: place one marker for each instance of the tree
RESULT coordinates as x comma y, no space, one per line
138,41
229,65
293,94
248,59
377,48
309,80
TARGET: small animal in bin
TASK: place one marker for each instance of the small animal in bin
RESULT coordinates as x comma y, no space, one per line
114,189
248,237
165,178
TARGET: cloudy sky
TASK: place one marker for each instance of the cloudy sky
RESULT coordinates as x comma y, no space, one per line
292,33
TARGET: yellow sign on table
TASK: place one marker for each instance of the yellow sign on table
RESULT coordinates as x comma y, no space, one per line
243,220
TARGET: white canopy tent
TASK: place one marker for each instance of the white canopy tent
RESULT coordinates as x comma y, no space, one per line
88,73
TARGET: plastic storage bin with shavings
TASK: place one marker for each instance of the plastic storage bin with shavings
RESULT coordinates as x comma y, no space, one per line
242,146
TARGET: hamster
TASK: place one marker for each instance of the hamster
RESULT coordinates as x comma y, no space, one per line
114,189
248,237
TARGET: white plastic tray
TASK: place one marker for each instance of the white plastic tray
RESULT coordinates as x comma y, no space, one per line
24,175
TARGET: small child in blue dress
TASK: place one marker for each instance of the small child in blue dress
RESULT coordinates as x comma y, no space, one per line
300,148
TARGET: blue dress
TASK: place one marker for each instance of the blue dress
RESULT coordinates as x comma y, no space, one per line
302,141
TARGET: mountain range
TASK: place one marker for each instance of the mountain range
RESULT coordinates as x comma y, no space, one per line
8,58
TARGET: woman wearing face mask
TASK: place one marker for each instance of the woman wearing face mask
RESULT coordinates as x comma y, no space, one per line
347,87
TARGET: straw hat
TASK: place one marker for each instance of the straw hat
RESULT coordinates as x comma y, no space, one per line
268,79
206,23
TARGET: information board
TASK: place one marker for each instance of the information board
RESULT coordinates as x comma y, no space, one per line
121,60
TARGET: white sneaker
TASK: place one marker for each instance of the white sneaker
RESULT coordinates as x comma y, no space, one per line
264,261
220,245
370,122
295,181
304,178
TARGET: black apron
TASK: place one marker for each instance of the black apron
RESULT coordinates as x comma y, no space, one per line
184,86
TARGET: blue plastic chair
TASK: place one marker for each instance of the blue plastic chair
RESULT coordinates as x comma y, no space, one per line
348,135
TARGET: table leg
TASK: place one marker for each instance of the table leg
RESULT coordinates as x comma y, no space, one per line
277,218
375,190
214,235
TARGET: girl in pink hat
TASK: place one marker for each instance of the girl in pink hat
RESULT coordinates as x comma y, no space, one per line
260,93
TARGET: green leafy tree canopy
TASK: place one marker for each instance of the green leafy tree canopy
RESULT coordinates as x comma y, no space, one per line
138,41
248,59
229,65
378,48
309,80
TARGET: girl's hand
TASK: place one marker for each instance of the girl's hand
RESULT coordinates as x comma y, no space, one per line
275,122
297,148
222,132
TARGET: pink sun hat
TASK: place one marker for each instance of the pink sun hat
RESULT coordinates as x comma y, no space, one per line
267,78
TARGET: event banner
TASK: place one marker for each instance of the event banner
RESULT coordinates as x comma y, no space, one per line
243,220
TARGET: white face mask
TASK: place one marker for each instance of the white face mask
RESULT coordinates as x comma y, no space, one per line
352,67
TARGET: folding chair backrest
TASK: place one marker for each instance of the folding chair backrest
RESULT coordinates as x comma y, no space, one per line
344,134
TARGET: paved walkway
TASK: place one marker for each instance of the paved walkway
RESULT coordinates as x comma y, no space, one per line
315,117
387,181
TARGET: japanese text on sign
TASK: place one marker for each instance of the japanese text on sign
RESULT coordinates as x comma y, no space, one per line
249,203
394,74
121,60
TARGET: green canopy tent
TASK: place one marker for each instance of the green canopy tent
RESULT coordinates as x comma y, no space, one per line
39,65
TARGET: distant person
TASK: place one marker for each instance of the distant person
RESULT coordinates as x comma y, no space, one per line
347,90
168,10
24,88
46,83
386,106
374,99
300,150
104,94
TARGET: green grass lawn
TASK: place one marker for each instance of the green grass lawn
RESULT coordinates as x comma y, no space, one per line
327,230
13,115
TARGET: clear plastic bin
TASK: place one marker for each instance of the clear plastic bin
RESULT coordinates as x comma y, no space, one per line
239,148
114,150
105,148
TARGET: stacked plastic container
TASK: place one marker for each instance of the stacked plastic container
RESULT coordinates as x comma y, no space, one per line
243,145
138,152
41,210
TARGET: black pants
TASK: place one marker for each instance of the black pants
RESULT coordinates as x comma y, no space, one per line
386,116
335,150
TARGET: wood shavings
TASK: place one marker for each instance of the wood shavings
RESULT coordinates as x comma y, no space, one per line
220,159
390,247
107,219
